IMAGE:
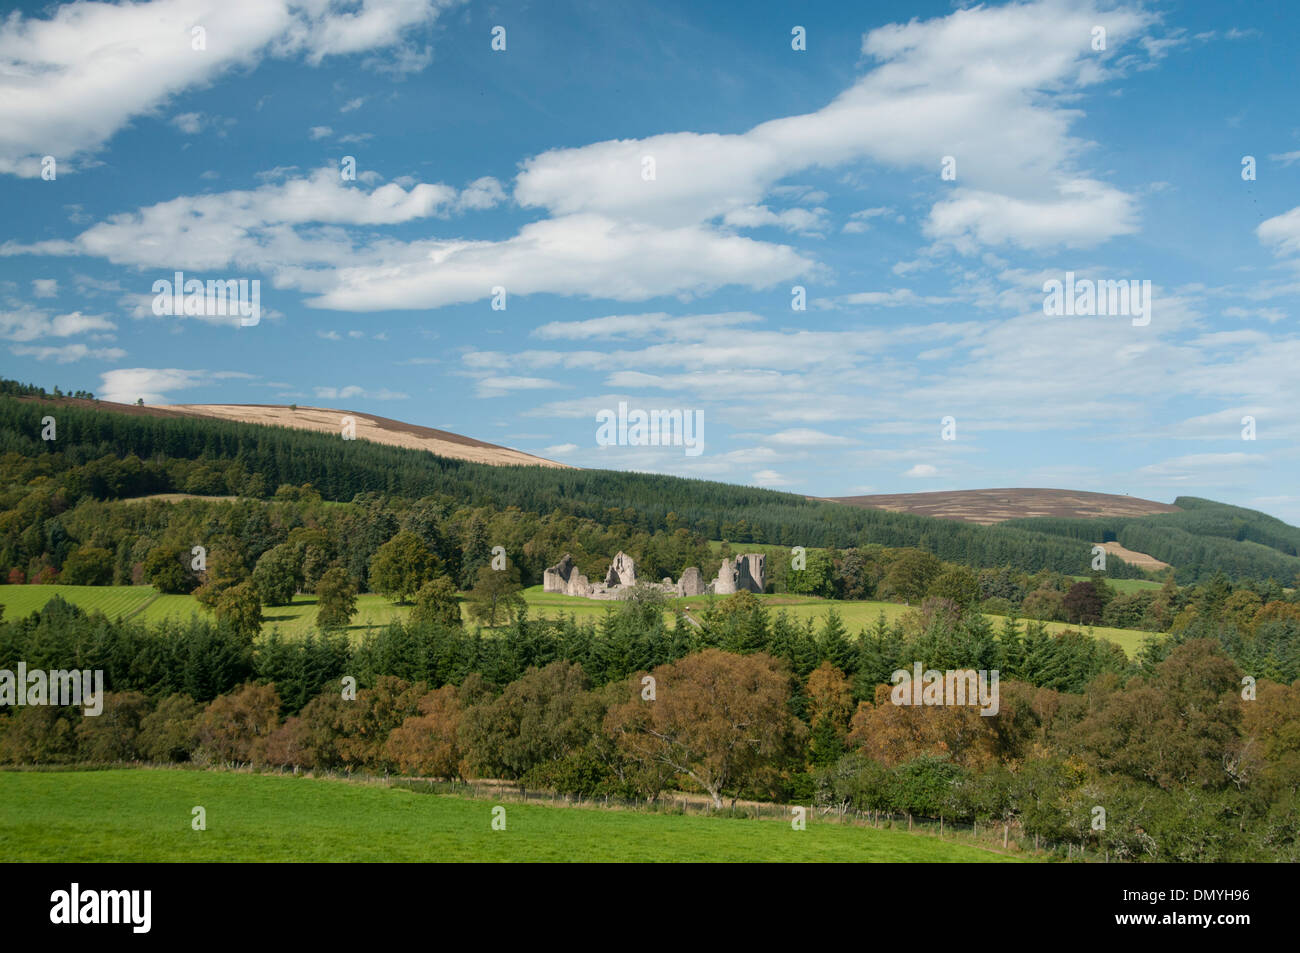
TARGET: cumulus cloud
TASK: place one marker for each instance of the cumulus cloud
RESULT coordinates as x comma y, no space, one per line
485,192
931,93
610,233
1080,213
188,123
69,81
587,255
152,384
29,324
1282,232
249,228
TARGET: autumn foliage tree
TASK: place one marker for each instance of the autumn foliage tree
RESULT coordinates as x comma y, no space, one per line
1083,603
830,705
539,718
170,731
114,734
365,723
233,727
426,743
893,734
719,719
1179,728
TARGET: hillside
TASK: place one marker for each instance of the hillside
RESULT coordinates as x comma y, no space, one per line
111,451
995,505
393,433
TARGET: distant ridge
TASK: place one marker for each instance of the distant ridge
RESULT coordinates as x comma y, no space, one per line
996,505
370,427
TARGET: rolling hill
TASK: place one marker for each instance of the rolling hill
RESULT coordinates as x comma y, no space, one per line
393,433
995,505
111,451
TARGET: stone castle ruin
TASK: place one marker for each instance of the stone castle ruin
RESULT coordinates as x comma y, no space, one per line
747,573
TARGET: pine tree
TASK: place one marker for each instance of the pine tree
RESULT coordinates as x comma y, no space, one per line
834,646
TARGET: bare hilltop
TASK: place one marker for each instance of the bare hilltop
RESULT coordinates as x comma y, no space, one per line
995,505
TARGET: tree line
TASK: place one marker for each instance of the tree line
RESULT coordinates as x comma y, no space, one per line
108,456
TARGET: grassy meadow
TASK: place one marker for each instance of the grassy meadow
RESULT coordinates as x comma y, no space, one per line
145,815
145,603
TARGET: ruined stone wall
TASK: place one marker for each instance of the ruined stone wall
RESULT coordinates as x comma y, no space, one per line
746,573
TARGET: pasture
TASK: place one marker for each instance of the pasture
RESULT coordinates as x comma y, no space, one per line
145,815
373,610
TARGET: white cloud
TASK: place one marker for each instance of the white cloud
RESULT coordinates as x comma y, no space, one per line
583,255
791,219
932,93
68,353
249,229
127,385
1271,315
861,221
355,390
320,132
29,324
613,235
70,81
653,325
922,470
503,386
45,287
1282,232
1080,213
482,193
1201,468
188,123
805,437
895,297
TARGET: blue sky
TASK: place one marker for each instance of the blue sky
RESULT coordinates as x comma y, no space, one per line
773,168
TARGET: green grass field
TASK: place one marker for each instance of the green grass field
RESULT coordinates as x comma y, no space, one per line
855,615
1126,586
113,601
144,603
145,815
